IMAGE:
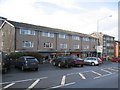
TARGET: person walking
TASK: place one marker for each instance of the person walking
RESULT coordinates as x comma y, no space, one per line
101,57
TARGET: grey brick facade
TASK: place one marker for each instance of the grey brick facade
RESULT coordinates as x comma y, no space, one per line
16,36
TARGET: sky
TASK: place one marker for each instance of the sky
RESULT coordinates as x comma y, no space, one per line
73,15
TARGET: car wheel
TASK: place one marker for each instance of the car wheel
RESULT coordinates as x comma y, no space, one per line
15,66
59,65
93,64
22,68
97,64
5,70
73,65
67,66
82,65
53,63
36,69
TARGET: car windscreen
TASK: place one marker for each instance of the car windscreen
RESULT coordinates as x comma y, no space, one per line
90,58
78,59
93,58
31,59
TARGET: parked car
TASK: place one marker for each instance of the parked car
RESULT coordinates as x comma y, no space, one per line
92,61
63,61
115,59
27,62
78,62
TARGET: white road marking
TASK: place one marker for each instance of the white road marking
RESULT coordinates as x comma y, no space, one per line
32,85
104,75
9,85
106,71
70,74
61,85
96,73
83,77
86,71
23,80
63,80
78,72
112,69
116,67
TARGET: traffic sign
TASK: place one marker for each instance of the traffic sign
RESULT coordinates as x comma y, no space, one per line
99,49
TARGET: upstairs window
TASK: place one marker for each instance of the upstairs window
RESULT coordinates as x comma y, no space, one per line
27,32
108,44
85,39
93,39
63,36
28,44
112,39
47,34
75,37
108,38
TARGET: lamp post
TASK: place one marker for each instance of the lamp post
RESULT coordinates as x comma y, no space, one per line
100,20
98,44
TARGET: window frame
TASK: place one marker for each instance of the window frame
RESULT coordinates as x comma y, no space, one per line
48,45
86,47
24,31
63,45
76,45
63,36
86,39
31,44
48,34
75,37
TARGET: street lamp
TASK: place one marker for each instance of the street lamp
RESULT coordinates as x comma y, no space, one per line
98,44
100,20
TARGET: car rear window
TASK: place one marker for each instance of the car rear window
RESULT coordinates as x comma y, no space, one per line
93,58
31,59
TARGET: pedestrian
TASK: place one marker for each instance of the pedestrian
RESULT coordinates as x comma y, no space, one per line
101,57
107,58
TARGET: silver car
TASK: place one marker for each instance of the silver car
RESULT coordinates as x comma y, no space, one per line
92,61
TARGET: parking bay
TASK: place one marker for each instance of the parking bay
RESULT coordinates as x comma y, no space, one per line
59,80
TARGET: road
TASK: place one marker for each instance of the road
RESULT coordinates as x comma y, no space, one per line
50,77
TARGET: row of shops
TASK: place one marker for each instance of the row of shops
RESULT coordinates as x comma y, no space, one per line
76,54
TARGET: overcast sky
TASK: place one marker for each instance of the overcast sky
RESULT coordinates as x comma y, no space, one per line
74,15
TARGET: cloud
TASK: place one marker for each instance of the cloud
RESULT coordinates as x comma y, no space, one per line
52,6
62,3
63,14
113,32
